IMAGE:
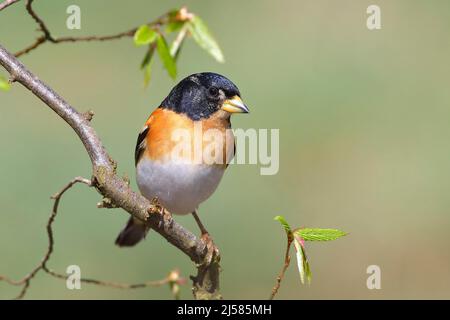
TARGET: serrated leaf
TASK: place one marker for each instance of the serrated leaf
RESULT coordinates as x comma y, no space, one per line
284,223
201,34
304,269
4,84
317,234
144,35
167,60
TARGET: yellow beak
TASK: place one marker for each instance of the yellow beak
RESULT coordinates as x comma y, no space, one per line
235,105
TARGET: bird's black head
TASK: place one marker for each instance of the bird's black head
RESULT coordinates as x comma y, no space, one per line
202,94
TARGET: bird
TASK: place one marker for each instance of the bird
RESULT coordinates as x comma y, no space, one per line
181,181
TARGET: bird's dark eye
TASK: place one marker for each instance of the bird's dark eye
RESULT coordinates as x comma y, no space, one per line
213,91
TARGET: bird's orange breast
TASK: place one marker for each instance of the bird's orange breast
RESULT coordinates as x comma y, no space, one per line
166,128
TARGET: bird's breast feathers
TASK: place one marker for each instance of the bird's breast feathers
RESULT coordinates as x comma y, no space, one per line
170,137
182,161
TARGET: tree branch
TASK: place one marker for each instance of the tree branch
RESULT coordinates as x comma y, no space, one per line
47,36
39,21
25,282
110,186
7,3
173,279
287,261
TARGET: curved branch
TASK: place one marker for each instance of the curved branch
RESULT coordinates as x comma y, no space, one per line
7,3
39,21
25,281
114,188
47,36
287,261
173,279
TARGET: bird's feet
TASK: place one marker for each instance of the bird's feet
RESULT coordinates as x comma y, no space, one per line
212,250
168,219
167,216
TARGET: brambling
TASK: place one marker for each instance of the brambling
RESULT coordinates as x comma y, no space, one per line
181,182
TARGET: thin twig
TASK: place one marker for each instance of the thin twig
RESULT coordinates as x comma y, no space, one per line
42,264
39,21
287,260
111,284
31,47
7,3
48,36
172,279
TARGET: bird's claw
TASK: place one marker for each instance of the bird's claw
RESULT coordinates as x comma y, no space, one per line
159,209
167,217
212,251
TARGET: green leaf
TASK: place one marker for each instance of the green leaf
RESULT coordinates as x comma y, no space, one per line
4,84
204,38
174,26
177,44
284,223
175,49
144,35
148,73
167,60
316,234
146,64
302,261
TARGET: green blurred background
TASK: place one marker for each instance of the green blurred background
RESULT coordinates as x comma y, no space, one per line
364,147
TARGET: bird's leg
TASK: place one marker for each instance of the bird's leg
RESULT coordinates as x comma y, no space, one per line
199,223
213,251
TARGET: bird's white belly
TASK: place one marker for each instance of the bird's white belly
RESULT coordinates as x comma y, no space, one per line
180,187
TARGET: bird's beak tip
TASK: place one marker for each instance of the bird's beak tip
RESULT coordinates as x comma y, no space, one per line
235,105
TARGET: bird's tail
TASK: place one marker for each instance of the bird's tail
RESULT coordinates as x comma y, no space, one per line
134,231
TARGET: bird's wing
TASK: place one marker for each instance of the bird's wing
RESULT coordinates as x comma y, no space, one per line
234,153
141,144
